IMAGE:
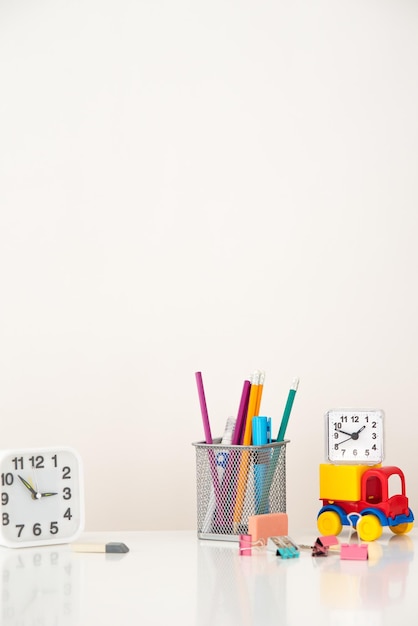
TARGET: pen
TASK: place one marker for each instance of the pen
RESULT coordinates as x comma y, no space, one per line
261,426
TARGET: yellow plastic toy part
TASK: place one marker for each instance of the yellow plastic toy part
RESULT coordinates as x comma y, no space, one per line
402,529
369,527
329,523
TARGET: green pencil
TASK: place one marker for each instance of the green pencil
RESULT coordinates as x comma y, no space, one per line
287,410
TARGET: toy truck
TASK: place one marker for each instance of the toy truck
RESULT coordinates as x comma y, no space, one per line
363,490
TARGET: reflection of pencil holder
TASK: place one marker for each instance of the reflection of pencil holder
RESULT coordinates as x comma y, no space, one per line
236,482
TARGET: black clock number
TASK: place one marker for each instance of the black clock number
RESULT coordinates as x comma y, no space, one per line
53,529
4,498
68,514
18,462
66,472
37,461
7,479
67,493
5,519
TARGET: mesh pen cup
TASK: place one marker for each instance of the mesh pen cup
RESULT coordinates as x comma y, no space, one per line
236,482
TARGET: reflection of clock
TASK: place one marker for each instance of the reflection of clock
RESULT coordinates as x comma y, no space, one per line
354,436
42,500
39,586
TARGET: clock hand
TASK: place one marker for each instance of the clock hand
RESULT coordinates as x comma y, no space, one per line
344,432
35,494
49,493
339,443
352,435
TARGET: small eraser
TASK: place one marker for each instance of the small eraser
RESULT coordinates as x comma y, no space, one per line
261,527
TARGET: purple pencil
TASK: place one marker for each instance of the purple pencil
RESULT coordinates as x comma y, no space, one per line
203,407
236,440
242,412
209,440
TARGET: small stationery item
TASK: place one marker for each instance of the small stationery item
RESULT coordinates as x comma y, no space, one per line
209,440
284,547
112,547
354,551
243,471
203,407
261,527
242,412
245,545
323,544
261,428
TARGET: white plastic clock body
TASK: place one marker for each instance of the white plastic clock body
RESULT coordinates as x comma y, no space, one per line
42,496
354,436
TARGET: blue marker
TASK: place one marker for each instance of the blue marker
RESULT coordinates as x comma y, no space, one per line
261,432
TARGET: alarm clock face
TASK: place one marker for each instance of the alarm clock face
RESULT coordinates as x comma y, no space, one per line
42,499
354,436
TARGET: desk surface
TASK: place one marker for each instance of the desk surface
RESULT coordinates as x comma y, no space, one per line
172,576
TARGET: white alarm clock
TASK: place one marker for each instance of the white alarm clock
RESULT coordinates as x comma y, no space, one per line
42,496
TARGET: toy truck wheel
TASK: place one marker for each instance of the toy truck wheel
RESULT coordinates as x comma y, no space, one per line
369,528
402,529
329,523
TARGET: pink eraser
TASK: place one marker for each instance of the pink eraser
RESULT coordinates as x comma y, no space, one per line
261,527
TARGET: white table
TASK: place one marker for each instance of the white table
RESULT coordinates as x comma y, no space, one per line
172,577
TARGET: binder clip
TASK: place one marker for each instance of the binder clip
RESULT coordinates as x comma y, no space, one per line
354,551
323,544
283,546
245,545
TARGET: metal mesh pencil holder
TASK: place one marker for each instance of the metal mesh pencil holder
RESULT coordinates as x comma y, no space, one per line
236,482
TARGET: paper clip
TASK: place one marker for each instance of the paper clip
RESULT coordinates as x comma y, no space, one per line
283,546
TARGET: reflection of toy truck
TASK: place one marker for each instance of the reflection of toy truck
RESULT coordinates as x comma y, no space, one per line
364,490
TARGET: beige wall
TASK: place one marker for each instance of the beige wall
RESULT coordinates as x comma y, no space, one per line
218,186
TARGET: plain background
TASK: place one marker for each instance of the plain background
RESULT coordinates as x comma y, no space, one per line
220,186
